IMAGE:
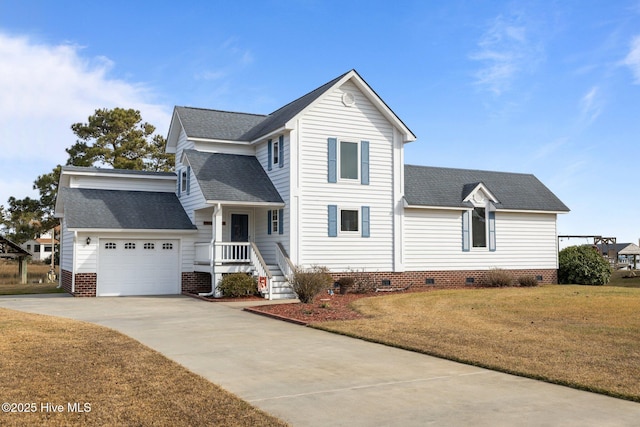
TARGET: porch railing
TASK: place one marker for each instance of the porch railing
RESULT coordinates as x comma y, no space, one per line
283,261
223,253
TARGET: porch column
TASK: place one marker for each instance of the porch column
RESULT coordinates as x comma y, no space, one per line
216,235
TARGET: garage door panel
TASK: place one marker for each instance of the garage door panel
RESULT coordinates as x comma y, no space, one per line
138,267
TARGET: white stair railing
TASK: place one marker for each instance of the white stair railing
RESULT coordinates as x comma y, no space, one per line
284,263
261,267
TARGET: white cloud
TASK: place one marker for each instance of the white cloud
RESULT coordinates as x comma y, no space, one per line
505,51
44,89
632,60
591,105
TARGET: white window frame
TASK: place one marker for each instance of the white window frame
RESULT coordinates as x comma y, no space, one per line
355,232
339,160
184,181
275,221
275,152
486,229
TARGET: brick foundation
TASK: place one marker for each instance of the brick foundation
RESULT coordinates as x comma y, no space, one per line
196,282
444,279
67,280
85,285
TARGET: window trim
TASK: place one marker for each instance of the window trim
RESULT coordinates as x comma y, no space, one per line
358,212
486,228
275,152
357,160
275,221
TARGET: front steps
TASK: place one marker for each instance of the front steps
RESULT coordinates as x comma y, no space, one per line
280,287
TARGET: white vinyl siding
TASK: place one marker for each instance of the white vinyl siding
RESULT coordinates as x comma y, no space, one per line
279,175
330,118
66,248
523,240
112,182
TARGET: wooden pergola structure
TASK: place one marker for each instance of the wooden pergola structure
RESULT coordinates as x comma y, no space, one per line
10,250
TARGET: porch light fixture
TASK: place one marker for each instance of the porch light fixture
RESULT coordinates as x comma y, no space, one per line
88,240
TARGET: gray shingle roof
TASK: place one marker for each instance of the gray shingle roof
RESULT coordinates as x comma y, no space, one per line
444,187
118,209
226,125
214,124
232,178
278,118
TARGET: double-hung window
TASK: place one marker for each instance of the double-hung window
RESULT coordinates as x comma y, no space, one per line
349,160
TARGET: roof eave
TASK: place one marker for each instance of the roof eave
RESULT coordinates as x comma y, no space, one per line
247,203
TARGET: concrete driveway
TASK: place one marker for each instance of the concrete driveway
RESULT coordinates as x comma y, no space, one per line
314,378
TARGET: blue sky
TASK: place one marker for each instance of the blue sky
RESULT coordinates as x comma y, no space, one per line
550,88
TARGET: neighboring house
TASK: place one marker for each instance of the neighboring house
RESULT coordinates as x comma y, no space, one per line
622,255
321,181
40,248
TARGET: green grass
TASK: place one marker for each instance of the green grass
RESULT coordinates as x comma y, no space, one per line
625,278
586,337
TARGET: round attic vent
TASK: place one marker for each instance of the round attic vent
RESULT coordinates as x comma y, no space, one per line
348,99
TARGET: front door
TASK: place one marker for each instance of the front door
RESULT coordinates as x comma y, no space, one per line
239,227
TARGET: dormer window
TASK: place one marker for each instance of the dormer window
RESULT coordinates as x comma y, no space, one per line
479,227
479,223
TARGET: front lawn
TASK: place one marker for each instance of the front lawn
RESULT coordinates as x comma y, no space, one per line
582,336
56,367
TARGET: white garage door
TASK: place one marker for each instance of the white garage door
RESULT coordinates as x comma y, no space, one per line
138,267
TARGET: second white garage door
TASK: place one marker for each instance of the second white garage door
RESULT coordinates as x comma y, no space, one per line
138,267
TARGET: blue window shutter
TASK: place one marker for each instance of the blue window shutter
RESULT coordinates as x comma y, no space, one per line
364,162
188,179
179,183
333,159
268,222
269,153
281,149
366,231
466,231
492,231
333,220
280,221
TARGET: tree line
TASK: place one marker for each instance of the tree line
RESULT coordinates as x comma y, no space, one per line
112,138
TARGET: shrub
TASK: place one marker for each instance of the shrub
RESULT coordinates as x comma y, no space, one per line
307,283
498,278
237,285
527,281
345,283
583,265
363,282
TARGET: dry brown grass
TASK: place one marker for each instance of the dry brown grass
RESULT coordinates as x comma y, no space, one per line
47,359
36,279
583,336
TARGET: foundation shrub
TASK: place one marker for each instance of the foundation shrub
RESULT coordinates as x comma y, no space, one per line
309,282
237,285
499,278
527,281
583,265
362,282
346,283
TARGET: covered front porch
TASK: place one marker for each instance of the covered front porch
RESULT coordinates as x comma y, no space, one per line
235,238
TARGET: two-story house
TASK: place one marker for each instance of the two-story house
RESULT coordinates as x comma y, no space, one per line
320,181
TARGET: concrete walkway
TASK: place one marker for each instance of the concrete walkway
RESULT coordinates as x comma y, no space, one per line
313,378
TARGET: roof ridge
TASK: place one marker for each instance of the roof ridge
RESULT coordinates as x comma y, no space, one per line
222,111
470,170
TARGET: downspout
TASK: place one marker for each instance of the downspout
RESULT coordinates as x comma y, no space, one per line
212,264
73,267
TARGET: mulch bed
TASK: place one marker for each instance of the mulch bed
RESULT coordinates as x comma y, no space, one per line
323,308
